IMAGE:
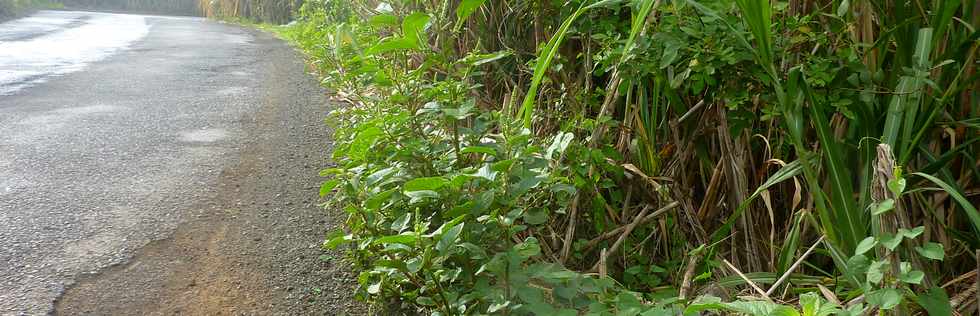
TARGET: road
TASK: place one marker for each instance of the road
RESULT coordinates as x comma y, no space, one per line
159,165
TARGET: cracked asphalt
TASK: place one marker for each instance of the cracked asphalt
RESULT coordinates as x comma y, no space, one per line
173,174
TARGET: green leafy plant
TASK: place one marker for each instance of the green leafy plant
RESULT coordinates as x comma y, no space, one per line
651,157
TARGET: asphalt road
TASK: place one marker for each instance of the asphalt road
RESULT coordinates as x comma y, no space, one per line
115,128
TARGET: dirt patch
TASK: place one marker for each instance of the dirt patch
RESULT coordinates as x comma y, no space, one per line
253,248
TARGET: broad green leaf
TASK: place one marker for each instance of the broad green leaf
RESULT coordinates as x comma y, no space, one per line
671,48
886,298
935,302
402,222
374,202
363,142
882,207
536,216
526,183
912,233
503,165
465,9
425,184
417,196
497,307
897,186
476,253
384,20
529,248
462,112
704,303
567,312
912,277
391,44
414,264
425,301
379,175
931,250
478,150
532,295
338,240
853,310
538,307
407,238
761,308
628,304
814,305
448,238
876,271
413,28
891,241
843,8
394,264
558,144
905,267
328,186
865,245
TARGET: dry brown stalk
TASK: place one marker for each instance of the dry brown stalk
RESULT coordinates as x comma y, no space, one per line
793,267
566,248
965,276
711,192
692,263
746,279
616,232
735,154
597,133
890,222
622,237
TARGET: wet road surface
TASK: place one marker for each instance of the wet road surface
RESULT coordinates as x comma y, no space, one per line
111,128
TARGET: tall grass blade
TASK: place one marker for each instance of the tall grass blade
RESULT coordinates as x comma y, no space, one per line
968,208
788,171
907,94
547,55
757,14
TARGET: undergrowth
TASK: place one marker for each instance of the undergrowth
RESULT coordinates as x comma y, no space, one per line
13,8
653,157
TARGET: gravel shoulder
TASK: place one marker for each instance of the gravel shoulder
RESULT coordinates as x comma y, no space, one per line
251,245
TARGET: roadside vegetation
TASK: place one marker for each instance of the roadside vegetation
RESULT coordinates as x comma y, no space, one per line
13,8
654,157
267,11
177,7
645,157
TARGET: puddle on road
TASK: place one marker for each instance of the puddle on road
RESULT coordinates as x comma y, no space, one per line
65,43
66,115
237,39
232,91
208,135
92,109
10,180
